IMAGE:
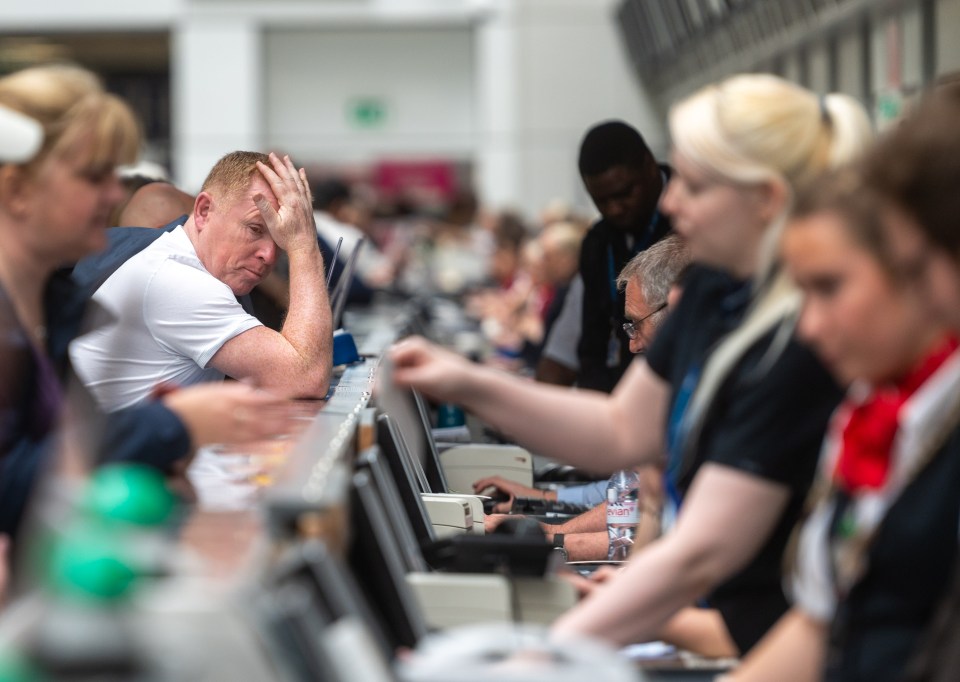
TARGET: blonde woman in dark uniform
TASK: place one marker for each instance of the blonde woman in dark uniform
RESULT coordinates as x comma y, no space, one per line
740,405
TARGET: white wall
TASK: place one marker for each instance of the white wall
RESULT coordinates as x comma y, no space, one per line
424,77
37,16
948,46
572,72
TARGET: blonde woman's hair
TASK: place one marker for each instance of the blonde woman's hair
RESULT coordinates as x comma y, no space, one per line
758,128
752,129
72,106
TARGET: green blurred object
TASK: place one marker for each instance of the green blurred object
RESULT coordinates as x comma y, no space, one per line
15,668
90,564
98,555
132,493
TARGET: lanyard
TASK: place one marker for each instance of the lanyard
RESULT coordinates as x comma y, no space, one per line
675,435
612,276
642,243
677,429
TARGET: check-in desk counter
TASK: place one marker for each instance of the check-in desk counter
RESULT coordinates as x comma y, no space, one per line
268,494
212,596
309,493
274,583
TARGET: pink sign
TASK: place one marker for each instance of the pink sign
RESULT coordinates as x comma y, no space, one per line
432,178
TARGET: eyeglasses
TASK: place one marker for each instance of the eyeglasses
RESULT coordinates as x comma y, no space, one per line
633,328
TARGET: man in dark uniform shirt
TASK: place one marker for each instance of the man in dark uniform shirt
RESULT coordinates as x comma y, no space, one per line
625,182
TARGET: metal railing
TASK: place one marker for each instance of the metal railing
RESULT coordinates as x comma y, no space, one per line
677,44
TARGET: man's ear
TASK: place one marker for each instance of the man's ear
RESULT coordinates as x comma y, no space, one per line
13,189
202,210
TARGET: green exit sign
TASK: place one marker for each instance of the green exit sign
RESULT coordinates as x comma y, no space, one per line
889,106
367,112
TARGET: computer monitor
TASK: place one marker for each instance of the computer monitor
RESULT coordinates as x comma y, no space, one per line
390,428
397,401
377,563
314,617
464,552
338,297
432,465
402,470
402,521
289,626
410,415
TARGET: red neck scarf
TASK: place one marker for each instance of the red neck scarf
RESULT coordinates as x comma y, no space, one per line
867,439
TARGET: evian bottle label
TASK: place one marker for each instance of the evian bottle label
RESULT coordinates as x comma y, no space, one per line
624,511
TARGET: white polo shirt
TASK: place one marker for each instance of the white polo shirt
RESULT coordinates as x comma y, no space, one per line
158,319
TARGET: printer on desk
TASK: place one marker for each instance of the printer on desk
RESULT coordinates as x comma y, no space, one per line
450,514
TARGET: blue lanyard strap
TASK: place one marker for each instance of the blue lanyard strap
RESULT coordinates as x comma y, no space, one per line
642,243
732,306
675,435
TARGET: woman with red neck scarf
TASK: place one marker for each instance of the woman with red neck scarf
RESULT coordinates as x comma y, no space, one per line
876,555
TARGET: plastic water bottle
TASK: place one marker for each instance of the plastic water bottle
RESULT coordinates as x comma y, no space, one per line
623,513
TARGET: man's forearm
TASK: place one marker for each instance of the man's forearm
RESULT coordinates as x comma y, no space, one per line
590,521
308,325
585,546
585,536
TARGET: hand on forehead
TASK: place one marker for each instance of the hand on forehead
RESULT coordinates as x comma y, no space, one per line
282,177
261,185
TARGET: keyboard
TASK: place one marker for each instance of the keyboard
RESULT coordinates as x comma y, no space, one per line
540,507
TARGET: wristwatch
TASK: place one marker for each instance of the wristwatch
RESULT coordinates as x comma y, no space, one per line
559,548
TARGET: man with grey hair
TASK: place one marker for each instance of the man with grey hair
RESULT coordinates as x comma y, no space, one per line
647,279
